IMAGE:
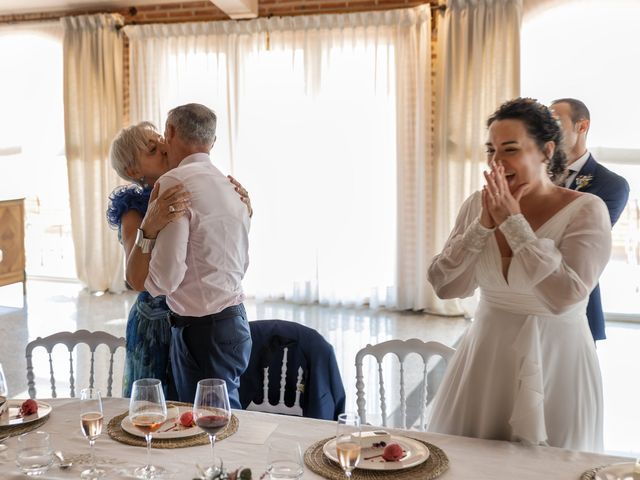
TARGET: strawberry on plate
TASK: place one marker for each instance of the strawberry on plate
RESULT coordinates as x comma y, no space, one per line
186,419
28,407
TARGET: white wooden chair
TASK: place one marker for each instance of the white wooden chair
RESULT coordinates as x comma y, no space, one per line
401,348
71,340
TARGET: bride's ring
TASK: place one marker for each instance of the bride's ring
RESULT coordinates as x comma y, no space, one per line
172,209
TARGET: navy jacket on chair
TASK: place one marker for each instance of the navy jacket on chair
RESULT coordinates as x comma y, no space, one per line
614,190
323,396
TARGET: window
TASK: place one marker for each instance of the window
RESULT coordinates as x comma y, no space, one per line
586,53
32,159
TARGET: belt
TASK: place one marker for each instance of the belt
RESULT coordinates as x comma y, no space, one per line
176,320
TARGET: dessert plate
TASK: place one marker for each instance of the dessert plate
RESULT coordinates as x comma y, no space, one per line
171,428
371,458
11,416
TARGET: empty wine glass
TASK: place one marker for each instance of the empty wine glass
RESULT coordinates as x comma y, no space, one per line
147,412
348,446
91,419
4,391
211,412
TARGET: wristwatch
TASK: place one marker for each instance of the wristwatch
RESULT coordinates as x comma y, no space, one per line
145,244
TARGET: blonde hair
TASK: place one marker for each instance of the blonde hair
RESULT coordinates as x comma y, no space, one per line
127,146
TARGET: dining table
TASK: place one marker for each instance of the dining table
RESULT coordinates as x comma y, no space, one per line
469,458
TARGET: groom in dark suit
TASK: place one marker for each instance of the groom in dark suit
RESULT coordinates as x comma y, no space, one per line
587,175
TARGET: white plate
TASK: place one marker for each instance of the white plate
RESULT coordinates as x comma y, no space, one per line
171,428
618,471
415,454
11,416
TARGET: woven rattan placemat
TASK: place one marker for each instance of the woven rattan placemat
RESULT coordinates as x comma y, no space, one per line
13,430
436,464
591,474
115,431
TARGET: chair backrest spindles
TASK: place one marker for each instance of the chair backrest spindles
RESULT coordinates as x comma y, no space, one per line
283,376
52,378
401,348
110,376
403,398
71,340
424,400
72,387
91,369
383,403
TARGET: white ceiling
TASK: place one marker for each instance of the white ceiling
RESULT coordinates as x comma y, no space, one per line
9,7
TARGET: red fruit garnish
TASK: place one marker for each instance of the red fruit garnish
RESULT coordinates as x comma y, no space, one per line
186,419
393,452
28,407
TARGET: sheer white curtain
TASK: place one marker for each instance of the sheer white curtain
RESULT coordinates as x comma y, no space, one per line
478,68
93,116
325,120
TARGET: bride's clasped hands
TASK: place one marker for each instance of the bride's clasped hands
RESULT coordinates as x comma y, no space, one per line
498,202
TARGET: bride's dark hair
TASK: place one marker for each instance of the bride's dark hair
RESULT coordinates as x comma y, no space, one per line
540,125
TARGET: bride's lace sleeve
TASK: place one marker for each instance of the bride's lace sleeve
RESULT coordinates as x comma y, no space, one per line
452,272
563,274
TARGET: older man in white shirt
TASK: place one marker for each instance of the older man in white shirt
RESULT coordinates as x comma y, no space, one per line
200,259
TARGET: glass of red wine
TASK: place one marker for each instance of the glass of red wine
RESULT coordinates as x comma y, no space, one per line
211,412
147,412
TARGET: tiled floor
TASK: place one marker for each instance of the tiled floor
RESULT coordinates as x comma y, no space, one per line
55,306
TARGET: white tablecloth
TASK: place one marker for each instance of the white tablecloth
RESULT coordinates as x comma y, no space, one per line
469,458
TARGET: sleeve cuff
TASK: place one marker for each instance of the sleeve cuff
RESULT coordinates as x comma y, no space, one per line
517,231
476,236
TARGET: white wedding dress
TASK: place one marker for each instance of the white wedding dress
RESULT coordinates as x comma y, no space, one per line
526,369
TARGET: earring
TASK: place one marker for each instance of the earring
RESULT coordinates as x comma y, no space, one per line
142,182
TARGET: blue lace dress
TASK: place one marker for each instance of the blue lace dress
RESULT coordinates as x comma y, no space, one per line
148,332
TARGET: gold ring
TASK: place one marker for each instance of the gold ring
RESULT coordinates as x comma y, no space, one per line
172,209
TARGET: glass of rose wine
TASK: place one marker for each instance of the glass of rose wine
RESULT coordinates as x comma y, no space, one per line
147,412
211,412
91,425
348,446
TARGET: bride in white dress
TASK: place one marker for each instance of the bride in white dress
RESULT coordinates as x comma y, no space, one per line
526,370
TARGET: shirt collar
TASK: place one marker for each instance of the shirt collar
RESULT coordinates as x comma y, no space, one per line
579,163
195,157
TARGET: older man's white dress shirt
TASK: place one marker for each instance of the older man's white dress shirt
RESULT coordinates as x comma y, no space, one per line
199,260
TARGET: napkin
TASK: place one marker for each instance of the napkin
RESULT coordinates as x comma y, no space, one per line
255,432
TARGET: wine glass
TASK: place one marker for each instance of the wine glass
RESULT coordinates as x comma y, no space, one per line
211,412
4,392
348,446
91,425
147,412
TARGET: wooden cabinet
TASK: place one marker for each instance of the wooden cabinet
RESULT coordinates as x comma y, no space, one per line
12,257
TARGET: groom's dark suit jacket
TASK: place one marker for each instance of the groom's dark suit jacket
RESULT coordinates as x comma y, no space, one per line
614,190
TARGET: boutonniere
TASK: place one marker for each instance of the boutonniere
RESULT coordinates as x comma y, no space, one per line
582,181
